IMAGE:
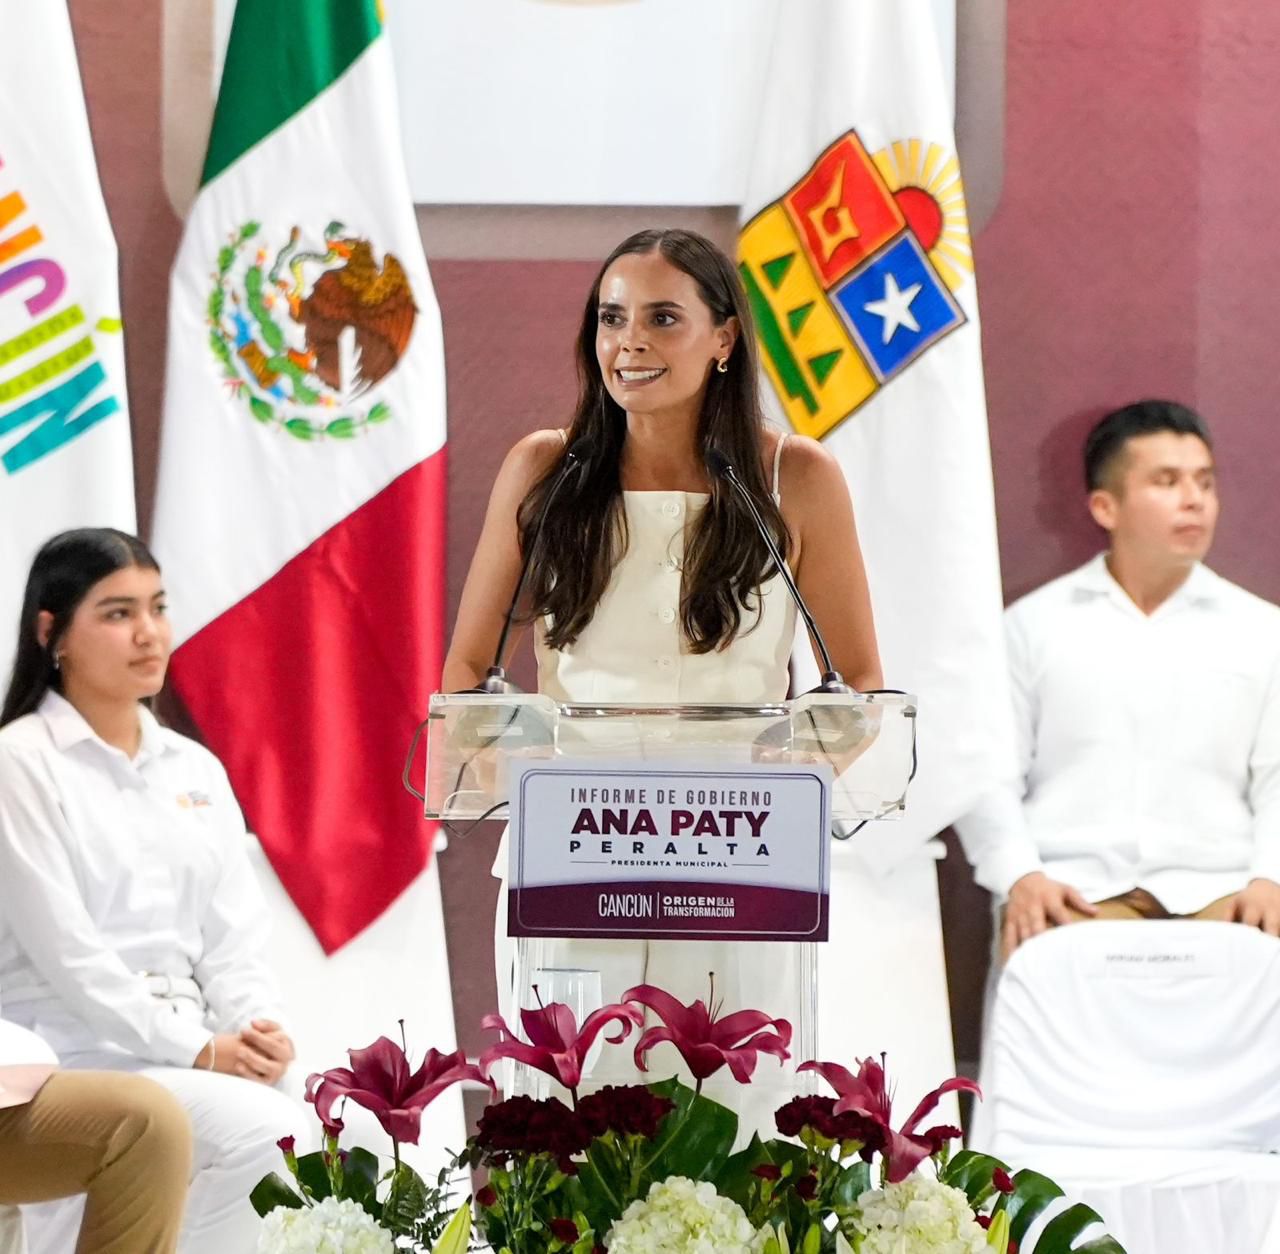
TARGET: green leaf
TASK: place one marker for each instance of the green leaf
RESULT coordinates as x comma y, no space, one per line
226,256
695,1139
272,1191
248,231
379,412
852,1182
342,429
300,429
735,1178
221,351
360,1180
406,1201
457,1236
778,1243
261,410
1031,1196
812,1242
271,333
601,1189
971,1173
1062,1231
314,1175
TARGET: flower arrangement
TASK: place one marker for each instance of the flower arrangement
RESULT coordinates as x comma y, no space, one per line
638,1169
342,1201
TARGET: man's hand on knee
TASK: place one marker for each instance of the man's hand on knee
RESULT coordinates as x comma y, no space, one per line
1258,905
1037,903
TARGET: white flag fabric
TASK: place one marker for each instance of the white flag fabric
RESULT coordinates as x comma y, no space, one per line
300,507
855,252
65,454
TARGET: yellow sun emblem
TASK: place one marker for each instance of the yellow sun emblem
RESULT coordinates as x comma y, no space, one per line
925,182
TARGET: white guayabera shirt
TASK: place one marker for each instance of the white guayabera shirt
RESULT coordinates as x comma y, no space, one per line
1148,745
131,925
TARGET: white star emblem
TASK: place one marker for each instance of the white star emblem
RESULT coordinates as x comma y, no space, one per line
895,308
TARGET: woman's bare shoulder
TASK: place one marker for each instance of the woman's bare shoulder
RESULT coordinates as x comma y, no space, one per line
531,457
805,462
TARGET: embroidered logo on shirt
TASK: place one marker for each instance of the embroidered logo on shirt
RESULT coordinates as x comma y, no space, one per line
194,800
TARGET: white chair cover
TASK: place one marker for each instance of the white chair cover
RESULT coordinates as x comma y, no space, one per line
1138,1064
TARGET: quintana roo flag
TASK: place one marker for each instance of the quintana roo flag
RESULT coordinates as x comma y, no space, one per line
300,510
65,457
855,253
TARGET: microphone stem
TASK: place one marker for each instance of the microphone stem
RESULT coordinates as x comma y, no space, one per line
571,464
815,635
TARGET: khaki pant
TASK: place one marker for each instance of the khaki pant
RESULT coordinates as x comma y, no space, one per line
122,1140
1135,904
1140,904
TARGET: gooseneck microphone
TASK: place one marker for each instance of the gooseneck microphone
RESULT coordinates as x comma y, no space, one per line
495,681
722,468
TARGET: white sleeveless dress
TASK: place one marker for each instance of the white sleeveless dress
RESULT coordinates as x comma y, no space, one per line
633,650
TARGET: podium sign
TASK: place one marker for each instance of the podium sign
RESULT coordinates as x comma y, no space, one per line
628,850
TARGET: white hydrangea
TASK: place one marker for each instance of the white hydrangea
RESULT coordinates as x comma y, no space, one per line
918,1216
681,1216
331,1227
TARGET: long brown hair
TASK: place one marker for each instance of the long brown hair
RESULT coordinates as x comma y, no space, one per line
585,535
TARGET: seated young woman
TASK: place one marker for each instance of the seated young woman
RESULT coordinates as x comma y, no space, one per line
132,931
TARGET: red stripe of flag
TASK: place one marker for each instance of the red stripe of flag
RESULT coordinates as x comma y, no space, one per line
309,690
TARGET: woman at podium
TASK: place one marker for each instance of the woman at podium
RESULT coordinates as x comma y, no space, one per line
648,579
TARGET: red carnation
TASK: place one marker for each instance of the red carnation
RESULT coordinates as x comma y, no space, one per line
521,1125
564,1230
627,1110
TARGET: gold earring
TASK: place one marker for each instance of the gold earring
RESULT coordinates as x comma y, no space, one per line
722,366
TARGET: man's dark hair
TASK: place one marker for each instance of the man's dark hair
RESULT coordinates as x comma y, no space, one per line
1107,440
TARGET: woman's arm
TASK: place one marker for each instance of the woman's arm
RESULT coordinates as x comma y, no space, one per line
495,566
829,570
41,903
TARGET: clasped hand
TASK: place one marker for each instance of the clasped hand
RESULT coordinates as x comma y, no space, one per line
260,1052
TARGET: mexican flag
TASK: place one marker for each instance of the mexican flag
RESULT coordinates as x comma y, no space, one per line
301,501
855,252
65,455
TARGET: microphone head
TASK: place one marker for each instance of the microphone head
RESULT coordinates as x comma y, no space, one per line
719,464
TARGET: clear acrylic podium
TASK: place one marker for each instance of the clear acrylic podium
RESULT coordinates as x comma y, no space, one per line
868,741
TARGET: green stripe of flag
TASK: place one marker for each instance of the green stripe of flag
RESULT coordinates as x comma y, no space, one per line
281,55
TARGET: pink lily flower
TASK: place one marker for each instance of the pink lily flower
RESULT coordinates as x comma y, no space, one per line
867,1094
379,1079
557,1046
707,1042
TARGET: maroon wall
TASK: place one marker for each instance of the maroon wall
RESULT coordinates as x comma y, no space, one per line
1132,254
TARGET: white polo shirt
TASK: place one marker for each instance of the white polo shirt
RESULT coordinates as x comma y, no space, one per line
1148,745
121,881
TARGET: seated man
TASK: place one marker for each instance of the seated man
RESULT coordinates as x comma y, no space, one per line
122,1140
1147,705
